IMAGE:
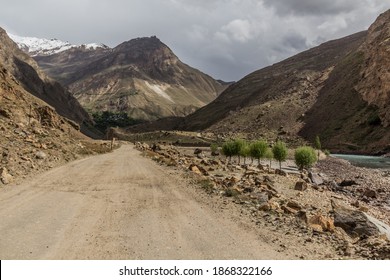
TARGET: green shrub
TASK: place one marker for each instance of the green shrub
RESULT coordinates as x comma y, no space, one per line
258,149
238,145
245,151
305,157
280,152
228,149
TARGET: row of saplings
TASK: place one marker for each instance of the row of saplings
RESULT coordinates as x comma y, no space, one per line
304,156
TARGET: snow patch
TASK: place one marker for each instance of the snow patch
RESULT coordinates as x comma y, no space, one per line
94,46
37,46
160,90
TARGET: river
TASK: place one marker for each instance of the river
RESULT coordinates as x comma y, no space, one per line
366,161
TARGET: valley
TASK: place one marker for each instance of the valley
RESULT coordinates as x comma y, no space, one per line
122,153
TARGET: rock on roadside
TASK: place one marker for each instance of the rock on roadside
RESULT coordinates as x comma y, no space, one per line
5,177
356,222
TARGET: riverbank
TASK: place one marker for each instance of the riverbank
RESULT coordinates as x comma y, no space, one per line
375,162
364,187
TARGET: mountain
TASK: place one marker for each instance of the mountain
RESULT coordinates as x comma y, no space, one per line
33,135
41,47
142,77
338,90
26,74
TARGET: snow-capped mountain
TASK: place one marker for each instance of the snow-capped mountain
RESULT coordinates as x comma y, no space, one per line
37,46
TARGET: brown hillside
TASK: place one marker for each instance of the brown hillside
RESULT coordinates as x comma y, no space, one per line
34,81
142,77
338,90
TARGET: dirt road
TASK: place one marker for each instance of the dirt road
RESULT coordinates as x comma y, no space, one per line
118,206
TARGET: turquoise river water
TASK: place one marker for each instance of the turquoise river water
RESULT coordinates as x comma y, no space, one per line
366,161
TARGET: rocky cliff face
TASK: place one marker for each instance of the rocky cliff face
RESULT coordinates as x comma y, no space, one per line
27,74
374,85
142,77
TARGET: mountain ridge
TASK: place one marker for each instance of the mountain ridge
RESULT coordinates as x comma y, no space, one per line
41,47
338,90
142,77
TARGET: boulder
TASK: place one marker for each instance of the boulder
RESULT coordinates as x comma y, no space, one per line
316,178
300,186
5,177
355,222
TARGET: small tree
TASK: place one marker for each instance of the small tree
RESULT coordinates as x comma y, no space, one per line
280,152
245,151
228,149
237,147
317,145
258,149
269,155
305,157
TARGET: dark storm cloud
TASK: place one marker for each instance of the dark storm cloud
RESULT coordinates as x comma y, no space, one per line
313,7
224,38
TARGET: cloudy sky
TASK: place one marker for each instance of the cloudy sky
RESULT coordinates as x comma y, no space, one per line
224,38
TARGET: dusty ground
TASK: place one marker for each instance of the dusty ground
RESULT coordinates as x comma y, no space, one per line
123,206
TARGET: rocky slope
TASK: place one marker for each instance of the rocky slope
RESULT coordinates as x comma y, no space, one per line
28,75
142,77
33,137
338,90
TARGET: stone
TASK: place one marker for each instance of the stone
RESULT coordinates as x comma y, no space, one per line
316,179
300,186
281,172
198,170
262,198
40,155
334,186
274,205
302,215
294,205
355,222
197,151
383,228
288,210
215,153
370,193
195,169
347,183
5,177
321,223
356,204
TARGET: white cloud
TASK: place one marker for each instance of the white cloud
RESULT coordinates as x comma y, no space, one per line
224,38
334,25
240,30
